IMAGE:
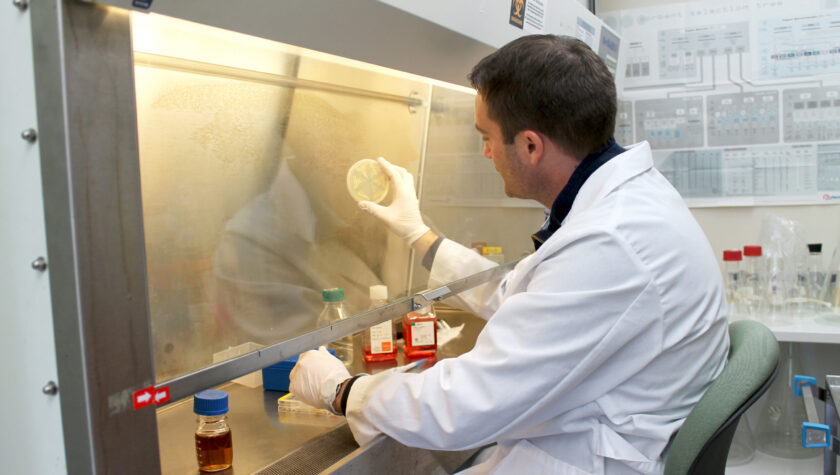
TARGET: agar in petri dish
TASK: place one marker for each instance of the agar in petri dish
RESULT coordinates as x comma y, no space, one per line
366,181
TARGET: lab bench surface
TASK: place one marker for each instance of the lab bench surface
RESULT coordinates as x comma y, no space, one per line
266,441
764,464
821,327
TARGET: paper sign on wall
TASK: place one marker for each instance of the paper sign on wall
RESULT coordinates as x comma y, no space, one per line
528,15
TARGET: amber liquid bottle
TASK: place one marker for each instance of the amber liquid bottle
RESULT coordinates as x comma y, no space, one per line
213,440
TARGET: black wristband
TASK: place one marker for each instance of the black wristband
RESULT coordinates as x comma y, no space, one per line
343,404
429,258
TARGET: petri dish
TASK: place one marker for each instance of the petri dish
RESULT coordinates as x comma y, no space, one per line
293,411
366,181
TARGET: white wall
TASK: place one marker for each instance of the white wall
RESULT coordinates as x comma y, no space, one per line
732,228
603,6
31,440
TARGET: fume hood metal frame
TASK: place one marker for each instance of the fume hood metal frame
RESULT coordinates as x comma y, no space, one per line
87,127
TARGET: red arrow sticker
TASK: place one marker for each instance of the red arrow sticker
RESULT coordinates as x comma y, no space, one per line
162,395
143,397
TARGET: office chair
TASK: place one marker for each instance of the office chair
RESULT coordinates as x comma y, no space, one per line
702,443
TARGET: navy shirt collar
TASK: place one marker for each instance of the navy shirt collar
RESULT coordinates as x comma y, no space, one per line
563,204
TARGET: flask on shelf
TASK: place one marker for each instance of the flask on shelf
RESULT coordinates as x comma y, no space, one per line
830,313
732,279
815,285
420,333
380,341
779,427
213,440
742,449
832,283
775,288
752,289
333,312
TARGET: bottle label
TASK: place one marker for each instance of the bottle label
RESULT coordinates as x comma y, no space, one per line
422,333
381,338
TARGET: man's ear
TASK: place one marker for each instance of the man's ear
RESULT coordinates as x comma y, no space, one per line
530,145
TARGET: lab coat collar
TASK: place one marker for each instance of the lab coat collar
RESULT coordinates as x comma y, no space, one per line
565,200
635,161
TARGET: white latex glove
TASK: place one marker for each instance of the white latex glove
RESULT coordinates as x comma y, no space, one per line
315,377
402,216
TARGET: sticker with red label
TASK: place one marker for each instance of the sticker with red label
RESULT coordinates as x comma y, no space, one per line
162,395
143,397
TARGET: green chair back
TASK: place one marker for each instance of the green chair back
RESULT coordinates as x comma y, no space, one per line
702,443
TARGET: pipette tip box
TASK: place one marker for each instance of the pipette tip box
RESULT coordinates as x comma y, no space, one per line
276,376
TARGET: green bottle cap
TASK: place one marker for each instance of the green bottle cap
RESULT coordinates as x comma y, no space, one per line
333,295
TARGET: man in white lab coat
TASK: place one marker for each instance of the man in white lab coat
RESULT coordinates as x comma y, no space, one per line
596,346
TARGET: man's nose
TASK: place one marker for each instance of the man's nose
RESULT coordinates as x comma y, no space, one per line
486,151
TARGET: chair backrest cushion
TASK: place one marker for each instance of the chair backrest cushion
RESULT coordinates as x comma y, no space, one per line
753,357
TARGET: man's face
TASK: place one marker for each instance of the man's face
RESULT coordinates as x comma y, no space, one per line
504,156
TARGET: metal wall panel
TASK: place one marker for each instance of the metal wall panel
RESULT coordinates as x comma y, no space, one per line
89,159
32,440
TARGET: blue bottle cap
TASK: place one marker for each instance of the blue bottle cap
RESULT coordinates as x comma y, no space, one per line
210,402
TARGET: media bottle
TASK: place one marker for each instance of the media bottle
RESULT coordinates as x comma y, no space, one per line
816,277
420,333
380,341
334,312
776,294
833,293
732,279
213,441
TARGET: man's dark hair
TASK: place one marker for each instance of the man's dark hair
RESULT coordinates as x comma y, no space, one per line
555,85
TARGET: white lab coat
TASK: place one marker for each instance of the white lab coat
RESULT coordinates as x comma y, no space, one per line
280,250
596,347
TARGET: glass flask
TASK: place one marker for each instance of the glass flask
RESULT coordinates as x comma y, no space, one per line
830,315
776,294
742,449
779,429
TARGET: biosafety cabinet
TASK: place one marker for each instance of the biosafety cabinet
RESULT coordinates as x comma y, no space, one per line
174,192
181,199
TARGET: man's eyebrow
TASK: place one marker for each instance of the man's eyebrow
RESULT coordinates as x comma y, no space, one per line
479,128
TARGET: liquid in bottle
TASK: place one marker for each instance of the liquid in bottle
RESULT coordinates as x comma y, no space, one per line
380,341
420,333
213,440
214,451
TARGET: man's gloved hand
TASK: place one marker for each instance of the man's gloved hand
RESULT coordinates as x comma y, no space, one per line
315,378
402,216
